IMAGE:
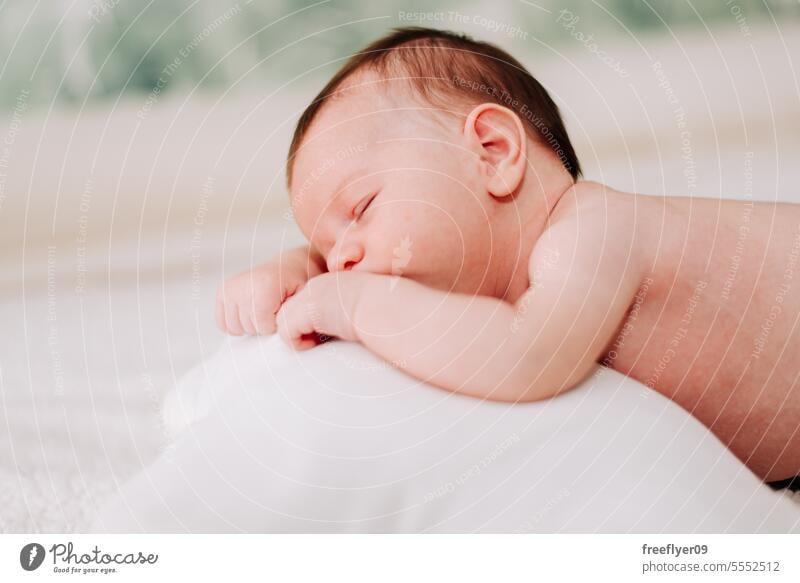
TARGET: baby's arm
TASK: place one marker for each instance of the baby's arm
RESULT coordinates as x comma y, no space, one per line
544,344
248,302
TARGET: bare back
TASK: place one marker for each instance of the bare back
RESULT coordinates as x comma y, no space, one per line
715,325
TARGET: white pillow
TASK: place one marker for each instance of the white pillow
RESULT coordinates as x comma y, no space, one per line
335,440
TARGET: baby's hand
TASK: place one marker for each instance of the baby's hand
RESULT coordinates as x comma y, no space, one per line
248,303
325,308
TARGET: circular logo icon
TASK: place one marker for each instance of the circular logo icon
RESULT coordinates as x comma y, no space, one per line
31,556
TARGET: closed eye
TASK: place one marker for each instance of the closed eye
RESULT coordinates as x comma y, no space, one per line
363,206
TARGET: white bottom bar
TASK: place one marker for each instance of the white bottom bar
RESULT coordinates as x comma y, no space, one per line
354,558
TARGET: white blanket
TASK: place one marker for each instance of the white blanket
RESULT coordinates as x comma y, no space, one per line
335,440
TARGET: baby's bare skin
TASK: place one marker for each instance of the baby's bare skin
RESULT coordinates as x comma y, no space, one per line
714,325
462,251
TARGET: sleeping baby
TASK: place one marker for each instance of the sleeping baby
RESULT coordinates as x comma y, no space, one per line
449,234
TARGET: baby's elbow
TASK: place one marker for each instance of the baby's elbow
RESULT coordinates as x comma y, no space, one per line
521,389
530,386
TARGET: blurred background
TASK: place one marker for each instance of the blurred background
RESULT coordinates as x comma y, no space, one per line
142,147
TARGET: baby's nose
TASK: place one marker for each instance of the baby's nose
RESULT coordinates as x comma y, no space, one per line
345,258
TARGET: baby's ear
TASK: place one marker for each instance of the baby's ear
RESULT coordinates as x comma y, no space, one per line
496,134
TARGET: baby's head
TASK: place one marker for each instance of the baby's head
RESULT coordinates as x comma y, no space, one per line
432,156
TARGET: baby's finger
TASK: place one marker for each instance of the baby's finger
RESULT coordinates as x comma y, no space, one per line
282,322
294,324
245,318
305,342
264,325
220,314
264,319
232,319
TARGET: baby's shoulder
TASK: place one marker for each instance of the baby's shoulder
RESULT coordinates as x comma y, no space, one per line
590,228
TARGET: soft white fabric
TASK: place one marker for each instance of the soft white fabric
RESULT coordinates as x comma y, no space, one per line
335,440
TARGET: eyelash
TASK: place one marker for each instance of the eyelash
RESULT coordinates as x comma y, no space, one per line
358,215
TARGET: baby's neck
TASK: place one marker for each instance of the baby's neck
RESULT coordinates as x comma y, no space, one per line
513,276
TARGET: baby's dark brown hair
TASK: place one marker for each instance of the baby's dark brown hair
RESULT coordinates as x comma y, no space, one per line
444,67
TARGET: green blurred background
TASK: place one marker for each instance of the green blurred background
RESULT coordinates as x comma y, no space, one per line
89,50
